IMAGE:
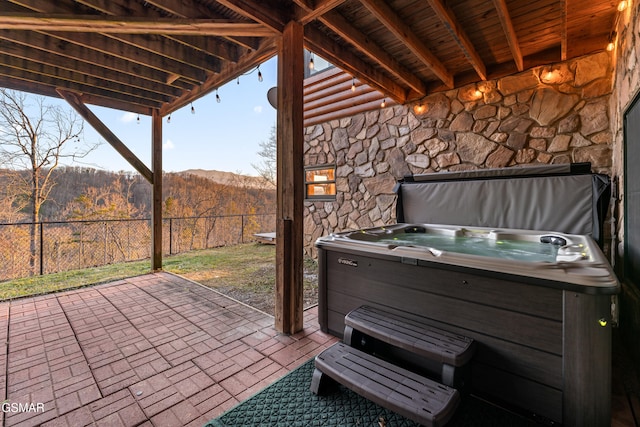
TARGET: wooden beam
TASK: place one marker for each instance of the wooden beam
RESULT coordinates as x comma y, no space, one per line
223,50
265,12
156,193
310,10
87,57
128,25
74,100
290,182
510,32
89,71
135,55
564,34
405,34
459,35
44,73
85,89
360,41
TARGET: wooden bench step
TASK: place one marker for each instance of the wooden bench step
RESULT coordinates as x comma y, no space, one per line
410,395
412,335
448,349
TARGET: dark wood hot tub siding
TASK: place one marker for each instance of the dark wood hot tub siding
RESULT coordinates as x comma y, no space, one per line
518,327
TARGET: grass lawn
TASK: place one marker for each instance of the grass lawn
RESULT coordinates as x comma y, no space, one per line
245,272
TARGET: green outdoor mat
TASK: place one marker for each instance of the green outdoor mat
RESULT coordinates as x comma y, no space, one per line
289,402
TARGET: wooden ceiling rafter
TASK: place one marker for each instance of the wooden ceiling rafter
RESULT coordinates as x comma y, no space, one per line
225,51
264,12
338,24
564,33
122,70
77,81
129,25
105,45
510,32
461,38
395,24
310,10
31,81
99,44
138,53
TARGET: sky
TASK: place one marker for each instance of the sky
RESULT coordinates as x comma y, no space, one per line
222,136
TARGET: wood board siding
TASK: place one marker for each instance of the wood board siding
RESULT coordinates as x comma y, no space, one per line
328,96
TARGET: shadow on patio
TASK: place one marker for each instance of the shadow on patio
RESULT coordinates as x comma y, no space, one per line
158,350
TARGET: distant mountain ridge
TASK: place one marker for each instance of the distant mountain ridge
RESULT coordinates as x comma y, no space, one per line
230,178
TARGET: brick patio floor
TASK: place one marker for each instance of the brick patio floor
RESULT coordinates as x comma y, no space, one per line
159,350
154,350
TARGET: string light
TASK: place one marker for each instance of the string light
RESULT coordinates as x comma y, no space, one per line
611,44
169,118
353,84
238,81
384,103
138,119
311,64
193,110
217,97
259,74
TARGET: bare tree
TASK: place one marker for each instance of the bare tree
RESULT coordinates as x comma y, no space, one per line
35,137
267,168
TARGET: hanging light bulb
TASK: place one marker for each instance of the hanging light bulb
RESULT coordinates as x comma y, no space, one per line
169,118
238,81
383,103
611,45
311,64
622,6
138,119
193,110
217,97
353,84
259,75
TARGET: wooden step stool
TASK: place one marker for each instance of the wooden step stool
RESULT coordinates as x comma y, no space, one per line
410,395
450,351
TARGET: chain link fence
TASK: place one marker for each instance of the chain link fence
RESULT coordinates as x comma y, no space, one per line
28,249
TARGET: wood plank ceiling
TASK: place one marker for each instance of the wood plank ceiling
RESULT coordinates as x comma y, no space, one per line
145,55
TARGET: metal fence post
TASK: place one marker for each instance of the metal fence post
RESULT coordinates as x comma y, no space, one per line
170,236
242,228
41,249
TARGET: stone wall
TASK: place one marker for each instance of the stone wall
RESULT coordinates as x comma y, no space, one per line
626,88
551,114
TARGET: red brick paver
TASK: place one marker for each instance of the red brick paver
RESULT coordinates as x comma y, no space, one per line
154,350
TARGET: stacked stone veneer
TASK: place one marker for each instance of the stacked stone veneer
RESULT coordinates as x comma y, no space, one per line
627,88
551,114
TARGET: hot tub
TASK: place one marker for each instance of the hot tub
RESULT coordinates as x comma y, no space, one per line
537,303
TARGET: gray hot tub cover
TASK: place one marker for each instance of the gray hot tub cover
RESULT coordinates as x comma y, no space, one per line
566,198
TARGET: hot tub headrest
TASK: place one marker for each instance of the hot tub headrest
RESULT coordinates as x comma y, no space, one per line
566,198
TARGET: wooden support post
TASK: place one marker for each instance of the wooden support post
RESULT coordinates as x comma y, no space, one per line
156,195
290,176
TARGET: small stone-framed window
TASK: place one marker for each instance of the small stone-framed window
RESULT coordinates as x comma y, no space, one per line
320,182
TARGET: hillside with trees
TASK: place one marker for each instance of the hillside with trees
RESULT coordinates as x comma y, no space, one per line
87,194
